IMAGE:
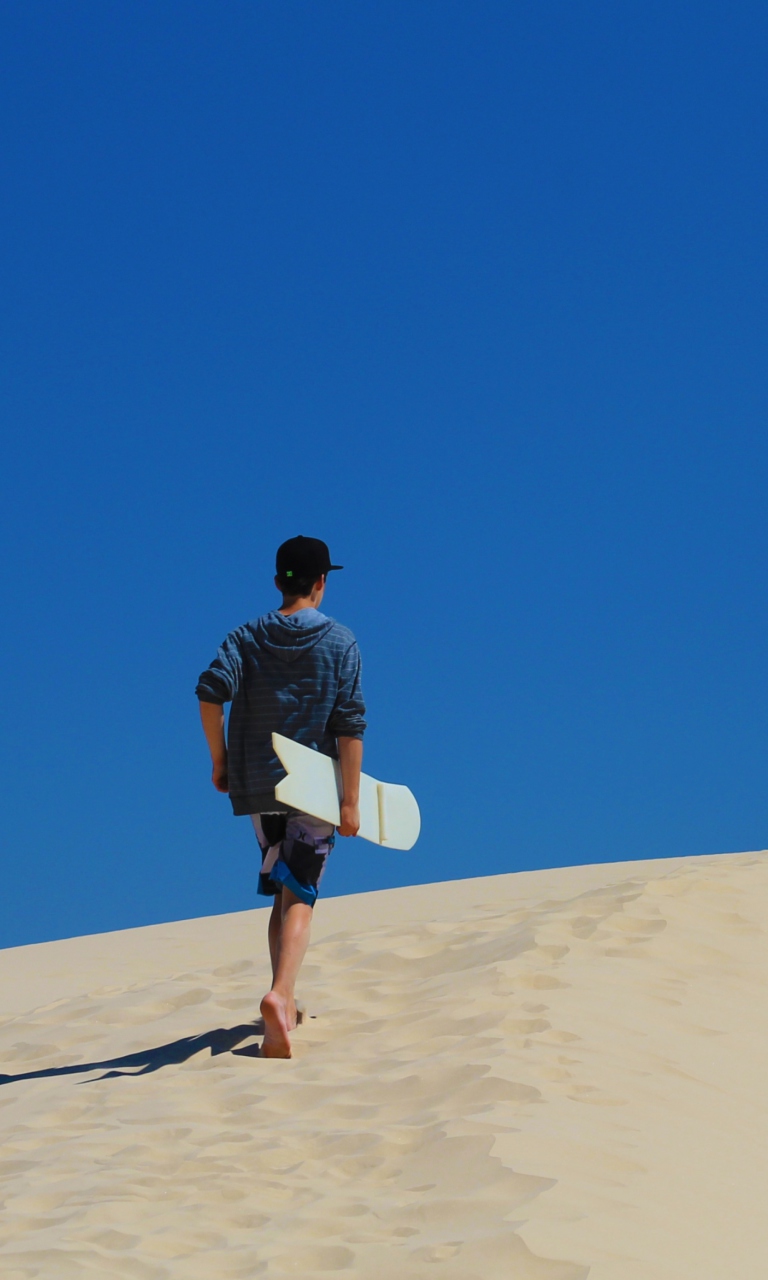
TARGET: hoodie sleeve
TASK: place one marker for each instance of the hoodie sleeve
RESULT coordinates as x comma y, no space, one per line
347,719
221,680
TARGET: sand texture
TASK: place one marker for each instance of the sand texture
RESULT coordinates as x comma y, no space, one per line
545,1076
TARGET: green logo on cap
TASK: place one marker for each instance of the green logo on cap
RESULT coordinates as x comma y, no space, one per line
289,573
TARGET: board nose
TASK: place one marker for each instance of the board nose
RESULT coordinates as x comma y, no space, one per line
399,816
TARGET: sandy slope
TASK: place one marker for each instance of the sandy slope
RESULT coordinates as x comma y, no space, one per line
550,1075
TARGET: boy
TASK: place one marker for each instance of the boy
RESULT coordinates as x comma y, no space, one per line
296,672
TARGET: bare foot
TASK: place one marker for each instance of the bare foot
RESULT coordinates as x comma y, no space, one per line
274,1011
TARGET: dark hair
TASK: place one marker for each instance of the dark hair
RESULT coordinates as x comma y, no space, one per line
297,586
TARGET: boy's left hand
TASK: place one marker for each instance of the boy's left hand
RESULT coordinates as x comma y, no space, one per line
350,819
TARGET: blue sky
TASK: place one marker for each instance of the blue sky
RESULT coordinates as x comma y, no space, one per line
475,292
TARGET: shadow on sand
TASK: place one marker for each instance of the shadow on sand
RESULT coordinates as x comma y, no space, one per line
222,1040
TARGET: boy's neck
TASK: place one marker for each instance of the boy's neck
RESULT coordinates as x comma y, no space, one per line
293,604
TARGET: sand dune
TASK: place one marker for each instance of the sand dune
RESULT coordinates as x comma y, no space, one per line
549,1075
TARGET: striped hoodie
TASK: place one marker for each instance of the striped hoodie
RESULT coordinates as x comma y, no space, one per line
297,675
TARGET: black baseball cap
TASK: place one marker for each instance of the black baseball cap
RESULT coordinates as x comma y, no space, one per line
304,558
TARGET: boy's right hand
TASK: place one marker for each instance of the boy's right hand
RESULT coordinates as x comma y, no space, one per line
350,819
351,760
220,777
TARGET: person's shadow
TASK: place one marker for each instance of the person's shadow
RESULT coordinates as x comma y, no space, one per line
222,1040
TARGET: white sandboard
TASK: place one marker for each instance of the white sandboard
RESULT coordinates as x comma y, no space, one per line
389,814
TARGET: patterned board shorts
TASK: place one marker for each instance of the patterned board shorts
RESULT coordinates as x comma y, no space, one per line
294,851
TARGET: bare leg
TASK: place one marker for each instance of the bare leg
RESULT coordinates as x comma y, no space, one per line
274,931
275,925
278,1008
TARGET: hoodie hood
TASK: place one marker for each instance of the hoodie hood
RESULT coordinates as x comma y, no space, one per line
289,637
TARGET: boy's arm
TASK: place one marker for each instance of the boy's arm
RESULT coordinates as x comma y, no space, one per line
212,716
218,684
351,761
347,724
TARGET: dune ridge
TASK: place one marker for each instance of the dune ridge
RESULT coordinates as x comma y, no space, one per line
550,1075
